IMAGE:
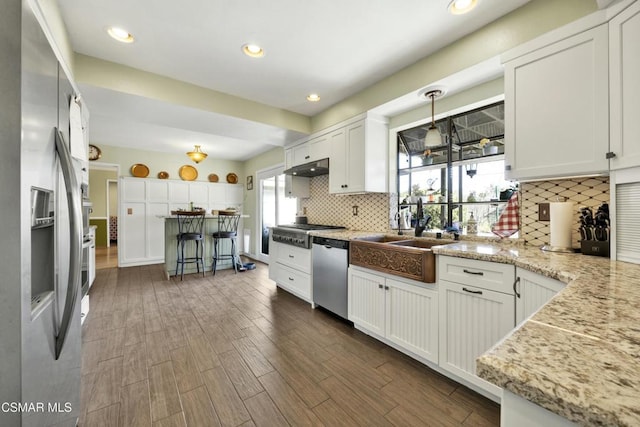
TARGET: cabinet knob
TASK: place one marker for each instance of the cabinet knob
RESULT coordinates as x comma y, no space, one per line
379,286
306,157
386,288
610,155
507,167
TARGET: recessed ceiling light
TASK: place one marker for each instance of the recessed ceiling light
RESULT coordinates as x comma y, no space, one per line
253,50
313,97
459,7
120,34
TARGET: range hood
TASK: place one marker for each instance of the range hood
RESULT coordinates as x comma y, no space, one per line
321,167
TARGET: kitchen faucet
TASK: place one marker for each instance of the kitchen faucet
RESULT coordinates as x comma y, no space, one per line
421,220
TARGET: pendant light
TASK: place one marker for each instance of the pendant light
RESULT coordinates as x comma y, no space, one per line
433,137
197,155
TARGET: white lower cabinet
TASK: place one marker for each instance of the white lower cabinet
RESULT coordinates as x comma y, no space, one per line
476,312
402,312
532,292
290,268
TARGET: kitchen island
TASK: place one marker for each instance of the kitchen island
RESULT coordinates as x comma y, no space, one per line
210,226
577,359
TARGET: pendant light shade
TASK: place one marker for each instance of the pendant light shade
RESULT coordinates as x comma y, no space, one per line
197,155
433,137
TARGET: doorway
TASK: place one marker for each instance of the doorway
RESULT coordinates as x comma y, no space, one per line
273,207
103,194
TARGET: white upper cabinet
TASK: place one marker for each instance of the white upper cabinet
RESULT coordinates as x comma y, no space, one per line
556,107
624,69
358,157
313,150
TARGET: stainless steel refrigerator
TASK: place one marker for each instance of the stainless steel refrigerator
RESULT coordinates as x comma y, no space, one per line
40,231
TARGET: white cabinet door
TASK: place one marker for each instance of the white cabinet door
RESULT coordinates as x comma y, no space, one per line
412,318
199,194
158,190
234,194
133,219
471,321
296,186
319,148
133,189
155,230
179,193
366,305
274,247
556,108
338,162
301,154
624,36
356,152
293,281
533,291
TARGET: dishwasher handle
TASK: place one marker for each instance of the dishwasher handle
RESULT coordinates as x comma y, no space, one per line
331,243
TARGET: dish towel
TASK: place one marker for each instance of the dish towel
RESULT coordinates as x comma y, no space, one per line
509,221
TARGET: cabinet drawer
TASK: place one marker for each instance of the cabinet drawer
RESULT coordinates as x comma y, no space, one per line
293,281
482,274
294,257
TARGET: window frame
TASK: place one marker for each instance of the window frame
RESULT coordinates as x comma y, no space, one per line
447,168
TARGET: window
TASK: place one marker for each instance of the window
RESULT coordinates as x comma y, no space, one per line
462,176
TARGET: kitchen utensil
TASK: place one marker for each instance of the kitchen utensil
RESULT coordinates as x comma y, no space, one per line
188,173
139,170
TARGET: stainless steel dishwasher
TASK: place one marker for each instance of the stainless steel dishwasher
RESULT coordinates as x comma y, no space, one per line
330,263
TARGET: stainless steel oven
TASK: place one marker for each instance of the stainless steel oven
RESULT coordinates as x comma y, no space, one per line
88,244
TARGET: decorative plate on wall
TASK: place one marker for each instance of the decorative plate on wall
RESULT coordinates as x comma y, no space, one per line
163,175
188,173
139,170
232,178
213,177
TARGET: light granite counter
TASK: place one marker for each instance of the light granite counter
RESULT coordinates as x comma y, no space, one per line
579,356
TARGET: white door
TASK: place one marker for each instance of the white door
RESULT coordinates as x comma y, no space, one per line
273,208
471,321
366,301
412,318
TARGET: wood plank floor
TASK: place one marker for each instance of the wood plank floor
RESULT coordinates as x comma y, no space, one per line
234,350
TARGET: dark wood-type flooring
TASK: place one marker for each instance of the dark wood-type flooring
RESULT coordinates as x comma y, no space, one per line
234,350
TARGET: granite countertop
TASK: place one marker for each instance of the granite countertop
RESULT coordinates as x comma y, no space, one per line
579,356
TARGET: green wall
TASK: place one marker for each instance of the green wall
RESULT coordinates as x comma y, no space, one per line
98,191
168,162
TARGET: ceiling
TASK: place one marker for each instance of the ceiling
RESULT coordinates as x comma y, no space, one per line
331,47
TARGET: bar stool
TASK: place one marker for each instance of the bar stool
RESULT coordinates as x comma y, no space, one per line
227,229
190,228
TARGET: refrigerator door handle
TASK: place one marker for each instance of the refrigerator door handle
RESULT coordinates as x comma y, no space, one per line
75,230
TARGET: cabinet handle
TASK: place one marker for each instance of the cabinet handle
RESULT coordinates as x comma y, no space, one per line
507,167
379,286
306,157
291,278
515,291
477,273
386,288
472,292
291,256
610,155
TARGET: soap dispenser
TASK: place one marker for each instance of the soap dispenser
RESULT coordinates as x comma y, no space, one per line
472,225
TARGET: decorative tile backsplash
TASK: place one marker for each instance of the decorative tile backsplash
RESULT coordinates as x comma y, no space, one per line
590,192
376,210
324,208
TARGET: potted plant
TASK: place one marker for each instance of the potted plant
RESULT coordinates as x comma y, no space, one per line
427,158
488,147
